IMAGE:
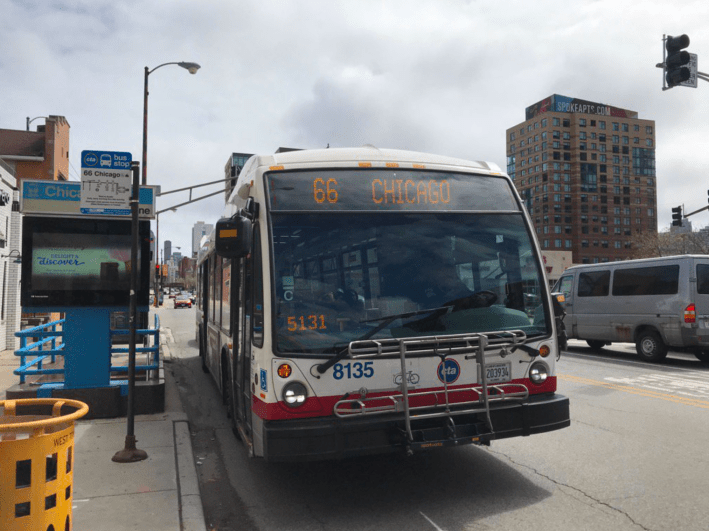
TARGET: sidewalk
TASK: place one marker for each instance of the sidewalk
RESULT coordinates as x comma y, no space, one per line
159,493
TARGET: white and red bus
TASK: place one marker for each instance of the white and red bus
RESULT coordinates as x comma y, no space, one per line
360,301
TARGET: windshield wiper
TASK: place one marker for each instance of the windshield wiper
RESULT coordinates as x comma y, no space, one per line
391,318
526,348
386,321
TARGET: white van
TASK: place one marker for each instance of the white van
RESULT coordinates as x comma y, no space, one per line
655,303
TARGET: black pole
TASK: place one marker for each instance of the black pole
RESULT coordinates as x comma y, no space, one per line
130,453
145,128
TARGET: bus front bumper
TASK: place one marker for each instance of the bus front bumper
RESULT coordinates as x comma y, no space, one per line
332,438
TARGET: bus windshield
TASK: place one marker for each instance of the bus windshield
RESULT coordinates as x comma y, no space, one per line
341,277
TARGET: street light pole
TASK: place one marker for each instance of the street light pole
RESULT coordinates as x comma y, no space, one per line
192,69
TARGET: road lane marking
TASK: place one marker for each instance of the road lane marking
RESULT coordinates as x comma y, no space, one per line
640,391
431,522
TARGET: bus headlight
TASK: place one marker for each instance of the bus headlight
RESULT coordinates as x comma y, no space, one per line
538,373
294,394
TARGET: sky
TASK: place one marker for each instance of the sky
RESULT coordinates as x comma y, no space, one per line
439,76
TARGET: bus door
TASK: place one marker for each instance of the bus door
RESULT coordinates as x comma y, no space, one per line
251,325
242,343
204,307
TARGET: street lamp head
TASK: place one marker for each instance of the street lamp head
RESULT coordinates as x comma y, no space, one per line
191,67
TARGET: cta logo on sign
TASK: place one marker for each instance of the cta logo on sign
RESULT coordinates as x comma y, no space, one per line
448,371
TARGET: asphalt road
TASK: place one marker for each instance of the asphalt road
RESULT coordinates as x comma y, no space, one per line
634,458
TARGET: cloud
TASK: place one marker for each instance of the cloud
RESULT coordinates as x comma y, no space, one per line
447,77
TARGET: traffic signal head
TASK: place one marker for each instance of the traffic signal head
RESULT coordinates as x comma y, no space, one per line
677,216
676,70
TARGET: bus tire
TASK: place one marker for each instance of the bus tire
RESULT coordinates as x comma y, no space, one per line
596,344
650,347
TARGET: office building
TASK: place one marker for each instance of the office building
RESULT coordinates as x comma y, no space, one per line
586,173
199,230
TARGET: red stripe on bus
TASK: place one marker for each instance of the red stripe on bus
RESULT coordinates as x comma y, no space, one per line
323,406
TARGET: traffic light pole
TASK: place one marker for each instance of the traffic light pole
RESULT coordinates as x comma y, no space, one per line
697,211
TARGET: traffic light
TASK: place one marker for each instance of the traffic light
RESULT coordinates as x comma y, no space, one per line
677,216
676,70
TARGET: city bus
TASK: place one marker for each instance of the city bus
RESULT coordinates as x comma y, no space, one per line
361,301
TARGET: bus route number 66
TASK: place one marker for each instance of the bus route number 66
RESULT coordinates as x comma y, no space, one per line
325,191
353,370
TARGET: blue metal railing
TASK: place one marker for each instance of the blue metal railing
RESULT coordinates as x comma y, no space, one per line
48,335
154,350
33,354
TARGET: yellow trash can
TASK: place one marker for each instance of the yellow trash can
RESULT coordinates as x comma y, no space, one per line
36,463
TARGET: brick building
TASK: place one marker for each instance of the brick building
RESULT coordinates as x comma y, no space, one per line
586,173
40,154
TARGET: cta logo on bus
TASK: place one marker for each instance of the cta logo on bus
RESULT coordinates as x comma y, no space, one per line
448,371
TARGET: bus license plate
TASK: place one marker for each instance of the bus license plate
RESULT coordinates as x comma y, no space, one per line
498,372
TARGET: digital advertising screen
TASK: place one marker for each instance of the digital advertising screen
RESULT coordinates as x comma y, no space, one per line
70,262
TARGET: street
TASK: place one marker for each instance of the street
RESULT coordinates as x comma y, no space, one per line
633,458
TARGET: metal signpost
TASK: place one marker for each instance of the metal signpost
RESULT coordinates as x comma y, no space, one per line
130,453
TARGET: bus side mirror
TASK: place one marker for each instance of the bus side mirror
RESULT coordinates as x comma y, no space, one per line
233,237
558,300
559,313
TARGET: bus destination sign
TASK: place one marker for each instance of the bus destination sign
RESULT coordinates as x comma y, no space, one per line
378,190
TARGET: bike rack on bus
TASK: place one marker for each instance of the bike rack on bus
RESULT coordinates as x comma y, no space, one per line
472,346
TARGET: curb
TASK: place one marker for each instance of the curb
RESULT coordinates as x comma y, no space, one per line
189,498
191,512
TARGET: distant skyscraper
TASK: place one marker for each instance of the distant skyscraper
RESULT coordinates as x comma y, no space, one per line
168,250
199,230
586,173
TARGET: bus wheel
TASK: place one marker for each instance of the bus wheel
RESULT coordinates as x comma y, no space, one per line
702,355
650,346
595,344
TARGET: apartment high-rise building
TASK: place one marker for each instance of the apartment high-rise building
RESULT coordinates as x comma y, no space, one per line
586,173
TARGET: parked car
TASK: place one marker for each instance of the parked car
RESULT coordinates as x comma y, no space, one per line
656,303
183,300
